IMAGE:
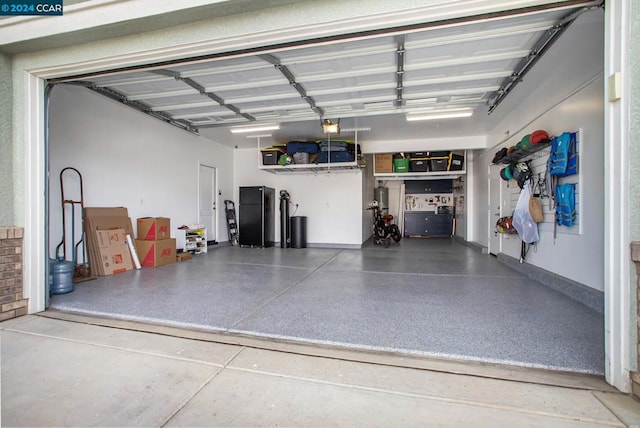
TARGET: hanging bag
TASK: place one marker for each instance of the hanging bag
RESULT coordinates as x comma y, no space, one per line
535,209
522,220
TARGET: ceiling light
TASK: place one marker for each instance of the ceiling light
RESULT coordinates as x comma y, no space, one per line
329,127
255,128
259,136
439,114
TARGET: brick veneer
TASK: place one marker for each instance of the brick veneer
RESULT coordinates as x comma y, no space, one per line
12,302
635,256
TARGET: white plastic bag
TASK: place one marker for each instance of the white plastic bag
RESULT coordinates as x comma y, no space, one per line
522,221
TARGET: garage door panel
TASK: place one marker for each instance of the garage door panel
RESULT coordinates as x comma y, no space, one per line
309,71
246,80
394,71
221,66
319,54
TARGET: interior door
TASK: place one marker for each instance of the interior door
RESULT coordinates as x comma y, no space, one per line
208,200
495,210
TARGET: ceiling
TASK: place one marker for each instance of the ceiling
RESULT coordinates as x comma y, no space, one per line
365,82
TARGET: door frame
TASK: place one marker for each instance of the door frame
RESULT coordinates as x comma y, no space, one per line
29,98
491,221
215,200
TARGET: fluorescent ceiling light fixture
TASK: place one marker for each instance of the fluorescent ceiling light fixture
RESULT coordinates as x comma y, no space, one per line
439,114
259,136
255,128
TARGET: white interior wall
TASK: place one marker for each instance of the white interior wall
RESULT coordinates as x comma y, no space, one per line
129,159
460,203
565,94
368,186
331,201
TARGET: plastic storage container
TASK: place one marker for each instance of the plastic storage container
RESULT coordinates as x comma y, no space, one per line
419,165
60,276
439,164
456,163
270,156
401,165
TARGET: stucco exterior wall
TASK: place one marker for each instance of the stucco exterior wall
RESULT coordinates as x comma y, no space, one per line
6,147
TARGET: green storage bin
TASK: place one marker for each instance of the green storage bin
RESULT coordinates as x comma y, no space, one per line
401,165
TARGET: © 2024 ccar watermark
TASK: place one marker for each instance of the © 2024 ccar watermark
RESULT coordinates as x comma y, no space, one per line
30,7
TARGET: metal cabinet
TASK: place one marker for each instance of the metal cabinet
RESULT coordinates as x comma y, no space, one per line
427,224
428,186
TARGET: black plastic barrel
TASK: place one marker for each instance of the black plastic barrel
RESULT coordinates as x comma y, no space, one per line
61,276
298,232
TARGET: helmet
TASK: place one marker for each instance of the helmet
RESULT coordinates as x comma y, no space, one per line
539,136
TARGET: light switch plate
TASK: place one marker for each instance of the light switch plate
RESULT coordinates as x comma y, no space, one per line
615,87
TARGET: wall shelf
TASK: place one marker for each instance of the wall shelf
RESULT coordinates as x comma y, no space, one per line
520,154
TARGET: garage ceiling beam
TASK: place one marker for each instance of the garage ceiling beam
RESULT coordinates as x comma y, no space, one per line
540,48
137,105
272,59
195,85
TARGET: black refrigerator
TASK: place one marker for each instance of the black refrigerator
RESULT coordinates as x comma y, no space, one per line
257,216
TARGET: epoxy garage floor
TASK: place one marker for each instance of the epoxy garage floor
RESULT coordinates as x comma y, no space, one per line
435,298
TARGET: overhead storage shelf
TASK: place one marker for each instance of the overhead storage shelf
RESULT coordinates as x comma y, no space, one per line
287,169
448,165
436,175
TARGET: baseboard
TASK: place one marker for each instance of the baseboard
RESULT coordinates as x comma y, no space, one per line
578,292
475,245
338,246
325,245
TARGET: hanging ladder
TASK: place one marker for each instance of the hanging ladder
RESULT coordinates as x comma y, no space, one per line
232,224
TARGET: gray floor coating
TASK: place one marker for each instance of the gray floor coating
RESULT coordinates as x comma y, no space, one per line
429,297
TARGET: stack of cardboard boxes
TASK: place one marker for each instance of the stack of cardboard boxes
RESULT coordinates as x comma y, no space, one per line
105,233
115,256
154,245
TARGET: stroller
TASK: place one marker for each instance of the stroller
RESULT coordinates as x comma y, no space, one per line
383,228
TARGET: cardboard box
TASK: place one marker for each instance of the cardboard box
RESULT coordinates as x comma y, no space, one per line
383,163
154,228
156,253
115,259
102,218
91,212
183,257
113,250
111,237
